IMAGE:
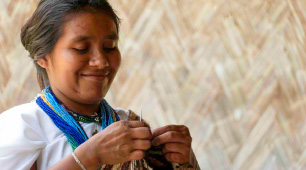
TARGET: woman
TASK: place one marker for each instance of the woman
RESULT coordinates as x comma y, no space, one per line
74,45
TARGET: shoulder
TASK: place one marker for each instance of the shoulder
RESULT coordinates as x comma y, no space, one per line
20,120
27,109
28,113
21,135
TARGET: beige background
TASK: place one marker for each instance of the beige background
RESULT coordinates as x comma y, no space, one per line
233,71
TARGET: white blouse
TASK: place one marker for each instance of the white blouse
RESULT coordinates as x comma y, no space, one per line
27,134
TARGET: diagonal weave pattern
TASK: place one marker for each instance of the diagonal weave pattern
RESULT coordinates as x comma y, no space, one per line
233,71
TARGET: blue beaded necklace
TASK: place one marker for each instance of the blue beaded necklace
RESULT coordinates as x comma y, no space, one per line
66,122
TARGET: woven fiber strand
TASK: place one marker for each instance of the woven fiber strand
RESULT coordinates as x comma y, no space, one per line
234,72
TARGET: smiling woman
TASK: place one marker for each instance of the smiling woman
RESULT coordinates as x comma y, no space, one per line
74,45
84,61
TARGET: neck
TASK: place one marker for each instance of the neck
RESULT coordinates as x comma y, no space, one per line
87,109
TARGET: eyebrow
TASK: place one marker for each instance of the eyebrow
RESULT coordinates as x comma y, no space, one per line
113,36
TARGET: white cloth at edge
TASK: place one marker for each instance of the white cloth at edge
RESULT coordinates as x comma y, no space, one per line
28,134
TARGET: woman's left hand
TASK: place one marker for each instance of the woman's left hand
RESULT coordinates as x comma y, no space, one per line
176,142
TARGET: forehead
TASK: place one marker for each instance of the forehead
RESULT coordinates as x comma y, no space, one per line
96,25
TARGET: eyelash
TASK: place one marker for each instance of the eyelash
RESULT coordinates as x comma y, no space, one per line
85,50
110,49
81,51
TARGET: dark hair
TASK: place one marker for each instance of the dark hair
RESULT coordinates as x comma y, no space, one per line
41,32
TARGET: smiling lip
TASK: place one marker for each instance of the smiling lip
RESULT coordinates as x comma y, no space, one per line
96,76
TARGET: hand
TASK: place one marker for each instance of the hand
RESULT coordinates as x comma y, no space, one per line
120,142
176,142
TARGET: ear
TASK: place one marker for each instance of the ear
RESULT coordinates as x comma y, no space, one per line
43,62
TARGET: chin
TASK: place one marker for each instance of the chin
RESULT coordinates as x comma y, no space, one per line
93,94
90,101
93,98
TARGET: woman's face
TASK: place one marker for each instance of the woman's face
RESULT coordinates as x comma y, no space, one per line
85,59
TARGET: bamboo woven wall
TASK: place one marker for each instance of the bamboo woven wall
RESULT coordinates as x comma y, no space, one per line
233,71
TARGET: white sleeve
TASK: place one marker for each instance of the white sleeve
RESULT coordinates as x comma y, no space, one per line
123,114
20,139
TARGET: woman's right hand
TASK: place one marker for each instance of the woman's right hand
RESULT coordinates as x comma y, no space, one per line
120,142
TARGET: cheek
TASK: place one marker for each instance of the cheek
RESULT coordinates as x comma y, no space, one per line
67,66
115,61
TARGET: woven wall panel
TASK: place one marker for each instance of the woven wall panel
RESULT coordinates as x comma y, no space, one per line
233,71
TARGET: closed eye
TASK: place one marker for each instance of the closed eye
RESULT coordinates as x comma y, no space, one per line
110,49
81,51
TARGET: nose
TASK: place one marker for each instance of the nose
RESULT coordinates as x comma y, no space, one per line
99,60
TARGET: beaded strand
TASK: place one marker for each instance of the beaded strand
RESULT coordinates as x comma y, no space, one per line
66,123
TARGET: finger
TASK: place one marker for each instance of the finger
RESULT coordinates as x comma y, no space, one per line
185,130
161,130
176,147
142,144
135,124
176,157
141,133
172,136
137,155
